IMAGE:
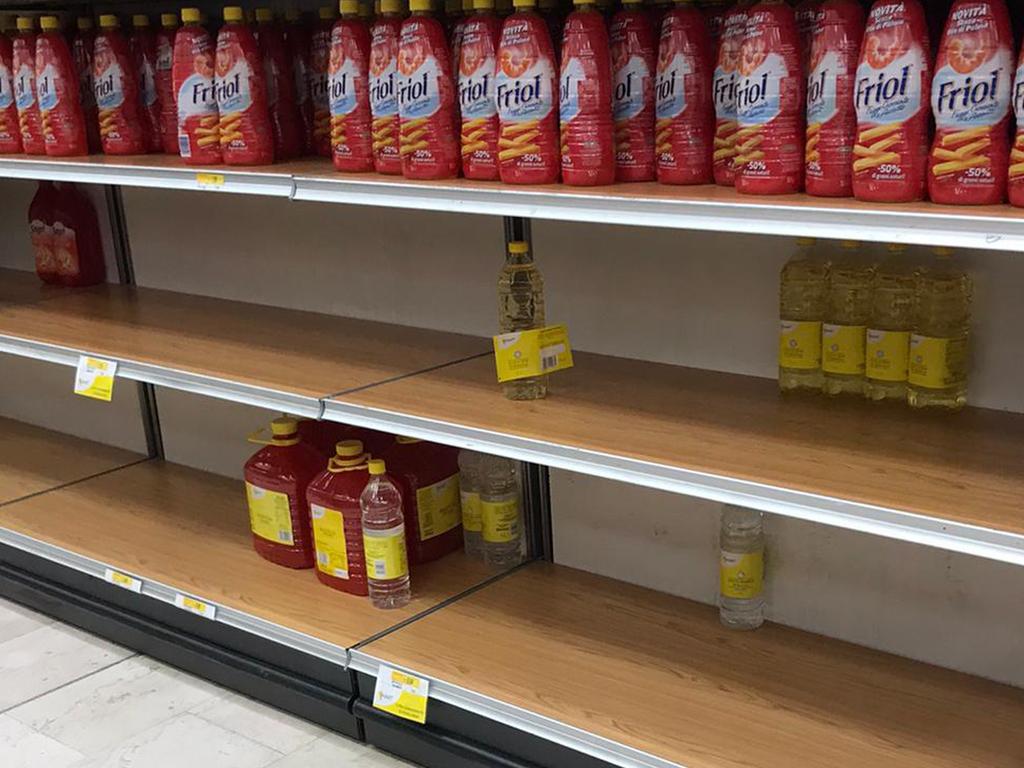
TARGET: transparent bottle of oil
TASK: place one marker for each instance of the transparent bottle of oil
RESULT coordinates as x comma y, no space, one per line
521,308
887,346
802,291
501,512
939,340
741,568
847,310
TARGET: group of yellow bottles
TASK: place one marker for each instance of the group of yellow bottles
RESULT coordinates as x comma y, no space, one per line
887,329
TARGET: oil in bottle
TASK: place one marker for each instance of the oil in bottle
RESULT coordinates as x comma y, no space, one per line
887,346
802,291
741,568
847,310
521,308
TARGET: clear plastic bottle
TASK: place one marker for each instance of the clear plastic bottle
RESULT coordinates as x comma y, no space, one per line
501,512
888,338
469,489
521,308
846,317
803,286
741,568
939,342
387,562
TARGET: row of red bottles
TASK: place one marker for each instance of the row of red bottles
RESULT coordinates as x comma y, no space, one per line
65,236
304,507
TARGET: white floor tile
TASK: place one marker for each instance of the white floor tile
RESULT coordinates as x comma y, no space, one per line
185,741
261,723
16,620
98,712
374,758
48,657
330,750
21,747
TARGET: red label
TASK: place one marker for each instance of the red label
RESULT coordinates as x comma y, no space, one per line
319,65
65,252
41,235
684,130
585,101
478,55
10,131
117,96
245,135
634,52
24,83
164,73
724,82
198,131
349,96
384,37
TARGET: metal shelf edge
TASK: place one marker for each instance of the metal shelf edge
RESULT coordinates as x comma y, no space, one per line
533,723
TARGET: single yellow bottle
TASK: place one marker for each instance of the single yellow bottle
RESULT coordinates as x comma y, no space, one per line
847,310
521,308
887,344
802,291
937,376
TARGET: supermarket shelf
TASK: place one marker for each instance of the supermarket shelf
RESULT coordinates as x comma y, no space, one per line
641,678
182,531
949,481
265,356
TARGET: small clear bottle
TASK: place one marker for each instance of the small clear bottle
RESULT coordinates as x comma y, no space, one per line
387,562
741,568
803,286
521,308
501,512
887,345
469,490
844,331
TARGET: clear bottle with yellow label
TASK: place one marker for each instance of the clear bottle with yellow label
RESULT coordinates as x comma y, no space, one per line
741,568
469,493
803,285
847,309
387,562
521,308
887,345
501,512
938,364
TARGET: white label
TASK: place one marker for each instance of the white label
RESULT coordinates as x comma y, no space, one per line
401,694
198,607
94,377
123,580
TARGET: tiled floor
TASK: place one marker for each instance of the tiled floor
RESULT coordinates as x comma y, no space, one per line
71,700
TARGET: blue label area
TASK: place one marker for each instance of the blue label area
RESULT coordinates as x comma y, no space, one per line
384,93
476,92
418,94
196,96
46,86
628,97
109,88
342,94
569,89
670,88
6,88
976,99
528,97
25,87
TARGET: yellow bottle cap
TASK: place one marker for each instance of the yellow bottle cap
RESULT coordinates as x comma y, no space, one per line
49,23
284,426
524,3
390,6
233,13
190,15
518,246
583,2
264,15
109,21
84,23
168,20
347,449
25,23
481,5
805,241
325,12
632,2
348,7
140,20
376,466
420,5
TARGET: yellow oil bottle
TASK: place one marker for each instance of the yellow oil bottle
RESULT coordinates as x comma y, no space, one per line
887,344
521,308
802,288
847,310
937,375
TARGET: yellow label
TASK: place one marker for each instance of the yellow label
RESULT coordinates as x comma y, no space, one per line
401,694
439,508
206,180
197,607
741,576
95,378
800,344
937,363
471,520
887,355
500,520
842,348
329,540
123,580
386,556
524,354
270,514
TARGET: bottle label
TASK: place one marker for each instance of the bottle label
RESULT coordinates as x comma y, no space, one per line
937,363
471,519
500,520
741,577
270,514
65,250
439,507
525,354
386,556
329,539
800,344
842,348
887,355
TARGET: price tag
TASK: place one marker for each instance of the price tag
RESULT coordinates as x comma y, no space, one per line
197,607
210,180
524,354
95,378
401,694
123,580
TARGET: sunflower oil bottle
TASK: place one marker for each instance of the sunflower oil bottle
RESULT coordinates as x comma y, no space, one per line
847,310
501,512
521,308
887,346
939,339
741,568
803,286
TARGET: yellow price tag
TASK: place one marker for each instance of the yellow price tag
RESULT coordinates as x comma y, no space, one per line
95,378
210,180
198,607
401,694
524,354
122,580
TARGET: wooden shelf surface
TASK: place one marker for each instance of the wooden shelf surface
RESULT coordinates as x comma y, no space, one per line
658,673
966,467
190,531
292,351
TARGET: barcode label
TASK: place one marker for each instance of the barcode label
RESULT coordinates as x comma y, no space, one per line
548,362
549,356
285,536
184,148
380,569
